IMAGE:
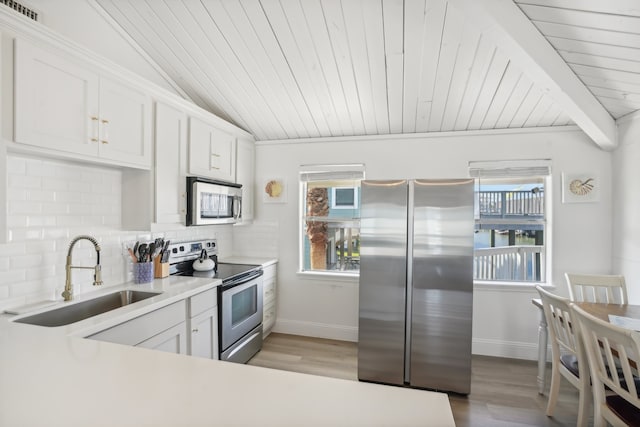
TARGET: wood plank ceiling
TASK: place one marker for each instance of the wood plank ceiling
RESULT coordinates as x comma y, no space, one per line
319,68
600,40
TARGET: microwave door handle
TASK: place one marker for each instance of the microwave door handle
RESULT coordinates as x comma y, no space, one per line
238,213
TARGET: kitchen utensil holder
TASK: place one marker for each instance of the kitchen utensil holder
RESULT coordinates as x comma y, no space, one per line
142,272
161,268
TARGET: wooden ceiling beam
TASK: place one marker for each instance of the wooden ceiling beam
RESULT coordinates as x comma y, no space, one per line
520,40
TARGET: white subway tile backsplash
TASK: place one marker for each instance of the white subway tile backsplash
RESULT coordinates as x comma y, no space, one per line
23,234
17,194
24,181
24,208
50,202
59,184
26,261
12,277
17,166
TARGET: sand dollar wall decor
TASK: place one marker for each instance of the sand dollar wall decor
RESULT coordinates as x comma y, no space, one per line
274,190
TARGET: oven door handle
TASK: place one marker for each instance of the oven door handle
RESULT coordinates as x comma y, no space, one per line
242,280
240,347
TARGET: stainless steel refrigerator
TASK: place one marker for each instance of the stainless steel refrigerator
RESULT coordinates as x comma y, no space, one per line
416,283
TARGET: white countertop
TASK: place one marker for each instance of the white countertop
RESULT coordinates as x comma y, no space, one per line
53,376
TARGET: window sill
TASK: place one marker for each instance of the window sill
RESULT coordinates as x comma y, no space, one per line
338,277
511,286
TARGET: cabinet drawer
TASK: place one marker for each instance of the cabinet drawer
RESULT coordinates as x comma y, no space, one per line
269,272
144,327
269,313
203,301
269,294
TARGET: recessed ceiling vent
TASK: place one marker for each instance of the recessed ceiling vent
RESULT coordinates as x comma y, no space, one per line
29,13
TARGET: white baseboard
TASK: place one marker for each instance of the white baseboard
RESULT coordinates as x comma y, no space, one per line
317,330
484,347
510,349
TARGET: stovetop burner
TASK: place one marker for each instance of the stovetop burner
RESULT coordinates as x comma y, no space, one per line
225,272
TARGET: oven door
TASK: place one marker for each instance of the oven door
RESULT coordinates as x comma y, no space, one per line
241,311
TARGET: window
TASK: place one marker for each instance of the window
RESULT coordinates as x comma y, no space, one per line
330,218
511,230
344,197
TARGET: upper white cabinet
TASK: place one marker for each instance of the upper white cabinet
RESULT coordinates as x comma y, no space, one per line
245,173
170,164
212,152
63,106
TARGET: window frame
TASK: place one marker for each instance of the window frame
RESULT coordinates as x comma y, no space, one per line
306,170
540,168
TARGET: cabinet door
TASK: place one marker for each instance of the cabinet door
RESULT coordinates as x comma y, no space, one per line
212,152
199,147
173,340
170,165
204,334
245,173
55,101
223,155
125,124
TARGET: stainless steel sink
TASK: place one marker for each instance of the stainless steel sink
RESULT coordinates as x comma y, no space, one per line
83,310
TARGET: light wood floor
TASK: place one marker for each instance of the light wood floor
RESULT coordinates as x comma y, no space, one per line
503,391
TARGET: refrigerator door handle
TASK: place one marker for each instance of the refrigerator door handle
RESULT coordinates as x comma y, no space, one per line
409,288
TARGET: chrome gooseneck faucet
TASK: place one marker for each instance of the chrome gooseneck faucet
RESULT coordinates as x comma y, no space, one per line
97,277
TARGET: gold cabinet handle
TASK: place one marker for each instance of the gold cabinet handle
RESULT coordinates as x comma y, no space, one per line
104,121
104,142
195,330
94,118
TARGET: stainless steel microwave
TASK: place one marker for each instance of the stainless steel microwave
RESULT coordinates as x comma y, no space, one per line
213,202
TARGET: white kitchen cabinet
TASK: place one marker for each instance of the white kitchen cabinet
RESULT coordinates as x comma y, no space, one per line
204,334
164,328
203,324
212,152
170,164
245,175
173,340
269,299
63,106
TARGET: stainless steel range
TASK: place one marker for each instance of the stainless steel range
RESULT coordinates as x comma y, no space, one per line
239,297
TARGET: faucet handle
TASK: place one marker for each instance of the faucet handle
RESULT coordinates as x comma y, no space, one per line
66,295
97,277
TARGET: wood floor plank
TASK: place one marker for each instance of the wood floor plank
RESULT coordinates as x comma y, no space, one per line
504,392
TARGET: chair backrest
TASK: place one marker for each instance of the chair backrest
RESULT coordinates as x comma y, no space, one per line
597,288
564,338
611,352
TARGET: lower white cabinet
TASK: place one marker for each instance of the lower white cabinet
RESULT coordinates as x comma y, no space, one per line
269,299
163,329
173,340
203,324
204,334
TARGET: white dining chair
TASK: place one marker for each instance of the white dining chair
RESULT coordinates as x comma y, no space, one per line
569,359
601,288
611,352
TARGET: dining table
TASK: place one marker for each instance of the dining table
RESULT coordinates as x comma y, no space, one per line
600,310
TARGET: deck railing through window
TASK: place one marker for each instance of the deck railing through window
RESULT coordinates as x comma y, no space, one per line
509,263
505,204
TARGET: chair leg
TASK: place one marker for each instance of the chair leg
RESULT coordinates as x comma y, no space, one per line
554,389
583,406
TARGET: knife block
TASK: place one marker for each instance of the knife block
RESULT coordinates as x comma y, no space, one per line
161,269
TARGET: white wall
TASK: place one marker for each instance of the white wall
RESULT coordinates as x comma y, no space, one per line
505,321
626,205
80,21
51,201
